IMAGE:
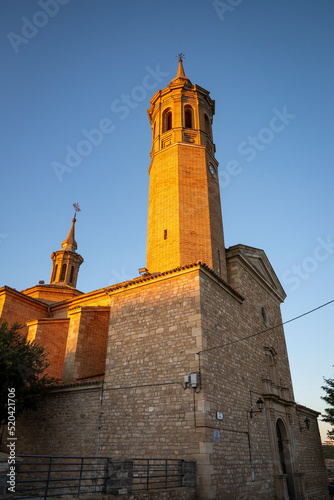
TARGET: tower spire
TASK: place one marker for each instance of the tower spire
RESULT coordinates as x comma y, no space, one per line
70,243
66,262
181,77
180,71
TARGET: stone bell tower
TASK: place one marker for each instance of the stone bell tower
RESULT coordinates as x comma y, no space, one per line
184,215
66,262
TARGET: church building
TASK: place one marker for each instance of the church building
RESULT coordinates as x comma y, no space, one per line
188,360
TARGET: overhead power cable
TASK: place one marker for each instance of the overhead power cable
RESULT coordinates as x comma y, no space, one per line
264,331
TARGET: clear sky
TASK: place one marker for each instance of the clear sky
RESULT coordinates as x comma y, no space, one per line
69,67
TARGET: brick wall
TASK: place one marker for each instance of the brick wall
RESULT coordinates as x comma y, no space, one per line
163,214
184,198
16,308
98,298
51,334
194,213
52,293
86,345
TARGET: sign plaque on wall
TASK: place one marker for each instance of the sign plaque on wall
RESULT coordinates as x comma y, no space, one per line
216,435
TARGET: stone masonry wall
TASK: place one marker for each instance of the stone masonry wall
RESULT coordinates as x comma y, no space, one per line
66,423
257,295
274,382
311,457
156,330
306,452
154,334
229,374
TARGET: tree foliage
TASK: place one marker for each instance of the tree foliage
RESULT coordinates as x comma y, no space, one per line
329,398
22,366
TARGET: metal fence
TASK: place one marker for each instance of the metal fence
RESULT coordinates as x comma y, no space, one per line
156,473
44,476
41,476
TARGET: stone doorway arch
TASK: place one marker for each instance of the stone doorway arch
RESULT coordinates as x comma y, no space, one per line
285,460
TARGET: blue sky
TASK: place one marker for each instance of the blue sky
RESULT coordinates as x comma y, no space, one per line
68,66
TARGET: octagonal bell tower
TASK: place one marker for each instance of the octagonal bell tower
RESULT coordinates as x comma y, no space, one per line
66,262
184,215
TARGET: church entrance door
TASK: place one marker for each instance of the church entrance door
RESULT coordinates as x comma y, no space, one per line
285,458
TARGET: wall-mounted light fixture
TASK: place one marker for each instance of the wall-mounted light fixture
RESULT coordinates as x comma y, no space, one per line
307,423
259,406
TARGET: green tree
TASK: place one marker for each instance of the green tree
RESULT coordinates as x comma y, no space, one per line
329,398
22,368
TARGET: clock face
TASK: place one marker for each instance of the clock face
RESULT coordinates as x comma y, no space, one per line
212,170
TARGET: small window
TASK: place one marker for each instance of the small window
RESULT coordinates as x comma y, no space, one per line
165,234
63,273
188,117
54,273
265,315
271,362
208,128
167,120
219,264
72,274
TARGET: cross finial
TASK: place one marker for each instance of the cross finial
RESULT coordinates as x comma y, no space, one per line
181,56
77,209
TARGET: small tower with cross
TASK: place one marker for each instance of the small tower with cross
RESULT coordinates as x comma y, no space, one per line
66,262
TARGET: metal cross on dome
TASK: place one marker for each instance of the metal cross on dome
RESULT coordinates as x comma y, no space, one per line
77,209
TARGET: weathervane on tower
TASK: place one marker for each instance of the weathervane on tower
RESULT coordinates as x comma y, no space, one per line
77,209
181,56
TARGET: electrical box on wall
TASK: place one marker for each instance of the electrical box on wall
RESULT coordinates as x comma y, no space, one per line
194,380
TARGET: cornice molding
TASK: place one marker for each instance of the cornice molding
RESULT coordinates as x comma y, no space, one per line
6,290
255,261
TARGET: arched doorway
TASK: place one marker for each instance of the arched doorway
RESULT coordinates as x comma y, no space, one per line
285,457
